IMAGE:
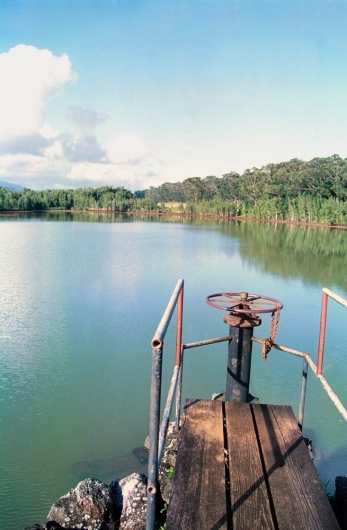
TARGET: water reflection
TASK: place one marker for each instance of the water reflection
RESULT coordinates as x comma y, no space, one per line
80,302
315,254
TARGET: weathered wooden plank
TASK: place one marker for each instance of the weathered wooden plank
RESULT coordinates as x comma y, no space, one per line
298,497
198,499
249,497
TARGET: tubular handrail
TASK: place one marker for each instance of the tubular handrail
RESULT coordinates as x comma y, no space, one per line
323,321
306,357
158,338
158,432
156,445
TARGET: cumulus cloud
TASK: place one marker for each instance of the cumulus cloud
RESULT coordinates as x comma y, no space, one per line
82,148
47,131
108,174
29,78
35,154
86,120
54,151
26,169
32,143
127,148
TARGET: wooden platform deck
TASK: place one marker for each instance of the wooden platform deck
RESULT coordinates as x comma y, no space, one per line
242,466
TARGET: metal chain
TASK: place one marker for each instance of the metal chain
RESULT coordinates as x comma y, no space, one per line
268,343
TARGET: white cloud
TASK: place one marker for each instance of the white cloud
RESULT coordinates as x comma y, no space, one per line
33,171
55,150
127,148
109,174
29,77
47,131
86,120
35,154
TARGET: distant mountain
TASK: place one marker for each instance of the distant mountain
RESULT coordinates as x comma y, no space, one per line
14,187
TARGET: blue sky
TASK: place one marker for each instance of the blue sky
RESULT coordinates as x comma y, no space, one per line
135,93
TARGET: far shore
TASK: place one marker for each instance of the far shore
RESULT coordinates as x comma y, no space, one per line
181,214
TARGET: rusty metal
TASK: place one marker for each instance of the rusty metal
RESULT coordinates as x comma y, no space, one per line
322,328
244,302
266,347
335,297
179,327
268,343
243,316
179,393
280,348
157,341
242,321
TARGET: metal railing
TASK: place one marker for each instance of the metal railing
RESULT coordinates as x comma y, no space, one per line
158,431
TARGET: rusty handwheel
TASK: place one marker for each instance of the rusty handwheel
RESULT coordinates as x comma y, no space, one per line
244,303
243,310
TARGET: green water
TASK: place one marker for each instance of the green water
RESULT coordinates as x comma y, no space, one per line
81,296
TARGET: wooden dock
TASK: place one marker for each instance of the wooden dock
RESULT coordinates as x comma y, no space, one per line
242,466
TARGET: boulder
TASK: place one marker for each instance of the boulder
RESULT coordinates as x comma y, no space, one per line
129,496
88,507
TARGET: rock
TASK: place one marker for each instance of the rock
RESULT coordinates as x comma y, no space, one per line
168,462
129,496
88,507
146,444
309,445
34,527
141,455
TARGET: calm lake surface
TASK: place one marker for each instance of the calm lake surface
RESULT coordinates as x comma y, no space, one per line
81,297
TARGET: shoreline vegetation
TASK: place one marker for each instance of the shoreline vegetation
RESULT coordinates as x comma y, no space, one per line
312,224
295,192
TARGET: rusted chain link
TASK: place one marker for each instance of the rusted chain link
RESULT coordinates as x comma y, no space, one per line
268,343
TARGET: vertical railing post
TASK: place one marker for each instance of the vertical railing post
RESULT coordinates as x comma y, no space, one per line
303,394
157,354
152,487
323,321
179,356
179,393
179,325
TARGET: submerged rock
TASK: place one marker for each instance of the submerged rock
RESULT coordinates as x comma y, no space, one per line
141,455
129,496
107,469
88,506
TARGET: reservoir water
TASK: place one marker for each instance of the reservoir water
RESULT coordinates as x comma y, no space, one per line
80,298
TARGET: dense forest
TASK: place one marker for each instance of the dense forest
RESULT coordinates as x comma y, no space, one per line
314,191
105,198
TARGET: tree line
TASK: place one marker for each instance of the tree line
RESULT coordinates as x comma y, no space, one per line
313,191
104,198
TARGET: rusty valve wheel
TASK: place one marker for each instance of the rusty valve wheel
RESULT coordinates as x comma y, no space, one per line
244,303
